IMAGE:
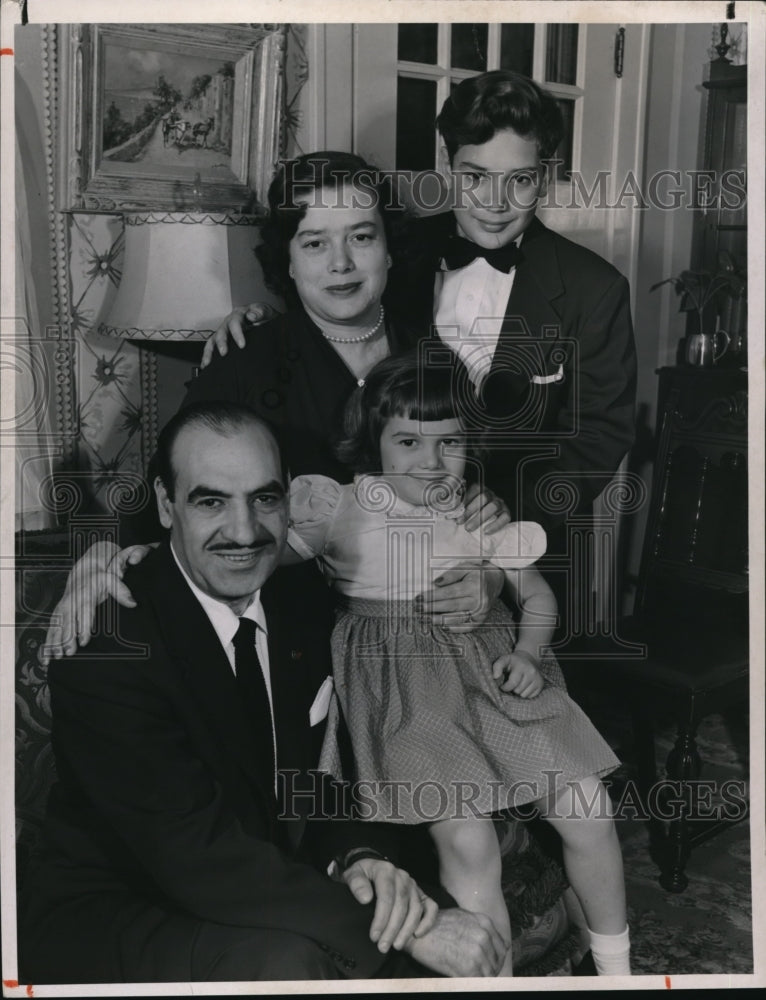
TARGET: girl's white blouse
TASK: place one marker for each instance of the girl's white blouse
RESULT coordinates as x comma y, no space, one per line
374,545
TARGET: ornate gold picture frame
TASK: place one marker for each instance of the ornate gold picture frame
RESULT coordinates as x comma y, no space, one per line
163,116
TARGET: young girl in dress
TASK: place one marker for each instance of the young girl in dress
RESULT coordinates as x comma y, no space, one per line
448,727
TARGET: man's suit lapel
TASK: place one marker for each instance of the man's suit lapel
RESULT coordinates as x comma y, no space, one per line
289,692
537,287
192,641
291,697
532,326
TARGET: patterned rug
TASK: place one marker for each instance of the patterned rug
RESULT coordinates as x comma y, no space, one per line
707,928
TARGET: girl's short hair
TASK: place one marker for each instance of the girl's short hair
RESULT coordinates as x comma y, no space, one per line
501,99
404,386
322,176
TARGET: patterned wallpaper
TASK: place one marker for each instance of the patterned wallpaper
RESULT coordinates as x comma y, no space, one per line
296,78
107,372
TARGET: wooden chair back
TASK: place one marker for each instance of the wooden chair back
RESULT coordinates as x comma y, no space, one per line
695,557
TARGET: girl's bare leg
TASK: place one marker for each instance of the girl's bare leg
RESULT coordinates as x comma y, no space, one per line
577,922
469,869
582,815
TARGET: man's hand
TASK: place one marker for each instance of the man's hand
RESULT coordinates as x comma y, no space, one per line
402,910
484,510
255,313
460,944
517,673
96,576
460,598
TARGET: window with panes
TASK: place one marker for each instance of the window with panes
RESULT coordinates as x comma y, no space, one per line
434,58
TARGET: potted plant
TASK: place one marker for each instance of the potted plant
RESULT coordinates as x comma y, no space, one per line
709,295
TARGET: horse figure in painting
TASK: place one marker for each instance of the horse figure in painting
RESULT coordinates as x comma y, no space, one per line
201,130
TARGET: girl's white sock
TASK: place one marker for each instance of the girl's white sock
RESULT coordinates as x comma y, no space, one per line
611,953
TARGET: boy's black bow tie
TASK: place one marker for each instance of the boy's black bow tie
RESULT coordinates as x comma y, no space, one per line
458,252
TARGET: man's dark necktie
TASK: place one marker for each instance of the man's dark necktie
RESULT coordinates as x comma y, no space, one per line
458,252
252,689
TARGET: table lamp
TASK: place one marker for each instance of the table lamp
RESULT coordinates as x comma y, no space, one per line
183,272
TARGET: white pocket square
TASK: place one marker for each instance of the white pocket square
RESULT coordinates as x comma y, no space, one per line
545,379
321,705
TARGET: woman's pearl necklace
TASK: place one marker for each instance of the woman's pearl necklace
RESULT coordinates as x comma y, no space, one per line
357,340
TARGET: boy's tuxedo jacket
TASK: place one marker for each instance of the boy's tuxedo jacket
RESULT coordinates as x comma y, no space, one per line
161,796
563,377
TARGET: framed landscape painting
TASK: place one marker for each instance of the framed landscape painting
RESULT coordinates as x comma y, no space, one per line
169,117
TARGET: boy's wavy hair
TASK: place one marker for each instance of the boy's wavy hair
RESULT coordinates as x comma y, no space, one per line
500,99
405,386
333,174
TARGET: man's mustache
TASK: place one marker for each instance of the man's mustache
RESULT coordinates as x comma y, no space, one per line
261,544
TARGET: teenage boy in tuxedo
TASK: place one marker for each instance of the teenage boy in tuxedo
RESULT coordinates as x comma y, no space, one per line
542,324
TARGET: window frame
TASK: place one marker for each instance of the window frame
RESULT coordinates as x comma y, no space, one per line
443,73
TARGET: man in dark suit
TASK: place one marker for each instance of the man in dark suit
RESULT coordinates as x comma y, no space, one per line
183,841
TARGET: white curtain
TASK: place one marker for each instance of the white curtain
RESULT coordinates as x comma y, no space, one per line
34,441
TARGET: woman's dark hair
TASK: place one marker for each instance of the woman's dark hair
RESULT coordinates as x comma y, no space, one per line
410,386
501,99
322,176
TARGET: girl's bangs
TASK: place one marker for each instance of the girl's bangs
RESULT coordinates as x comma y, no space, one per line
427,399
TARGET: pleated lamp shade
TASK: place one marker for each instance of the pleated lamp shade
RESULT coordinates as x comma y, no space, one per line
183,272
